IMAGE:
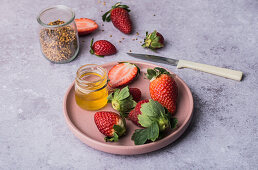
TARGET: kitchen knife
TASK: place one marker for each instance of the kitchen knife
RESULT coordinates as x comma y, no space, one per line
223,72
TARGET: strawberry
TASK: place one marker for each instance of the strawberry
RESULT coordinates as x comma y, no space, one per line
110,124
85,26
120,17
133,115
154,118
163,88
122,100
136,93
102,48
153,40
122,74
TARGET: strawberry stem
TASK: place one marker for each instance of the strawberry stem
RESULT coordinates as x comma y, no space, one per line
91,49
106,16
156,72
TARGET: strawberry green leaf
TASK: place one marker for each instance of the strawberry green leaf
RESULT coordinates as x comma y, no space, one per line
150,73
153,35
110,97
153,131
112,139
156,39
156,45
152,112
152,109
100,56
91,49
117,5
123,94
119,130
123,114
173,123
106,16
140,136
144,120
122,100
116,93
161,70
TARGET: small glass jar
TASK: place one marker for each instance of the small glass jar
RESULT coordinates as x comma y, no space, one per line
58,34
91,87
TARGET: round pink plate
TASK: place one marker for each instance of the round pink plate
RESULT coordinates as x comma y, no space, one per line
81,122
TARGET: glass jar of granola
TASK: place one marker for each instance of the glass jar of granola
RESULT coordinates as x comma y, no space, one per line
58,34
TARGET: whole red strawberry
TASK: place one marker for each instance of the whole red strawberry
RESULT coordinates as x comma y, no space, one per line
163,88
153,40
154,118
136,93
102,48
120,17
110,124
133,115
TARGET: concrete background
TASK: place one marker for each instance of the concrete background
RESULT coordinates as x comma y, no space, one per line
223,133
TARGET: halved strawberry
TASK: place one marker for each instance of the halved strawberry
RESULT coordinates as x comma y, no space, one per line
122,74
85,26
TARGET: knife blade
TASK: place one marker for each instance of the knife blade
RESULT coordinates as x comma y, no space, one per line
223,72
154,58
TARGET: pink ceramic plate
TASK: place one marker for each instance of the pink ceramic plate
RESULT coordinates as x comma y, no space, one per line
81,122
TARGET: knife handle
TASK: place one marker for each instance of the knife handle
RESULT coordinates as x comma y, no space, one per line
223,72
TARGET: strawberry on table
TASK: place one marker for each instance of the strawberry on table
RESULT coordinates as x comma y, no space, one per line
122,100
153,40
122,74
120,17
85,26
154,118
163,88
102,48
110,124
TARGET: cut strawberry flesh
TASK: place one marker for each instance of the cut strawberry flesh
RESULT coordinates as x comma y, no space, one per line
122,74
85,26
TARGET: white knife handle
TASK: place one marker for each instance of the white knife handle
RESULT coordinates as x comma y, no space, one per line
223,72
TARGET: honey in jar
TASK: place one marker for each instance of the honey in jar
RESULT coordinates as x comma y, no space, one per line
91,87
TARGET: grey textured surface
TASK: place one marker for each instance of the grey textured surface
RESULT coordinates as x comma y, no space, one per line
223,133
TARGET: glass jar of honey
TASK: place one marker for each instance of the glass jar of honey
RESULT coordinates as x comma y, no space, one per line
91,87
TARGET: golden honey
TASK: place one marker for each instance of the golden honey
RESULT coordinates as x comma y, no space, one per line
91,87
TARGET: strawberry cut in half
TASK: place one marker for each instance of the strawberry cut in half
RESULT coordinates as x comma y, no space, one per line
122,74
85,26
110,124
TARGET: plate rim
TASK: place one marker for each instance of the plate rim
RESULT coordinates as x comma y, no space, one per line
160,143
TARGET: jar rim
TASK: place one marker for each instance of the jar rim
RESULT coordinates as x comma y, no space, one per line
78,77
55,7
